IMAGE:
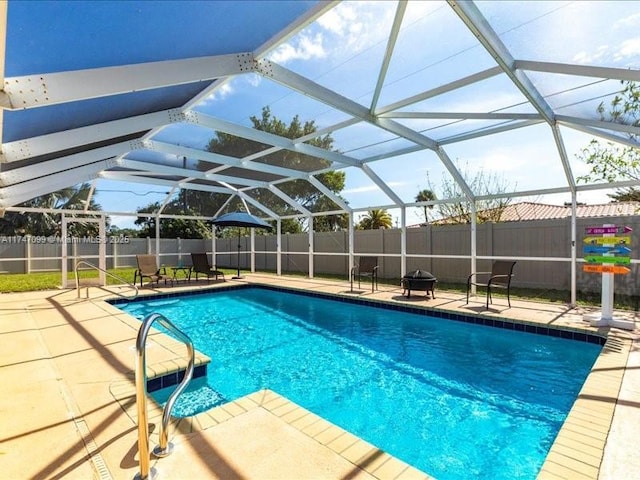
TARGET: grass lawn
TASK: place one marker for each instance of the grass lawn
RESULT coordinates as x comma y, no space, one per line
19,282
27,282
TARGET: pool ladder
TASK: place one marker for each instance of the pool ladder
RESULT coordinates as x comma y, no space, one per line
165,447
112,275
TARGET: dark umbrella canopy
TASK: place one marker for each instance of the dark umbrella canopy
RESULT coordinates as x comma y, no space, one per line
240,219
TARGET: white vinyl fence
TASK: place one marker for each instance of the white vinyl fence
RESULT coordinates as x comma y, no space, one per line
542,249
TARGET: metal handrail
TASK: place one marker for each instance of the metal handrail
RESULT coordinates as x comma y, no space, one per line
112,275
165,447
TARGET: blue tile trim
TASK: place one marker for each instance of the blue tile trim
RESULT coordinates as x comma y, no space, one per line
173,378
447,315
508,324
143,298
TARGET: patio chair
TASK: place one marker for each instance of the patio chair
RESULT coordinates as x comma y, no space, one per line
366,267
499,277
148,268
201,266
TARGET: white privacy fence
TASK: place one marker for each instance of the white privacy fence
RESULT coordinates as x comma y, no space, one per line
542,248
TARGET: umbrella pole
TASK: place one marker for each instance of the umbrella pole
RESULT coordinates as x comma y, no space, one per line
238,259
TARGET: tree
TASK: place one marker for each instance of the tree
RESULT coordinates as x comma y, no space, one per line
625,195
172,227
426,195
613,162
483,184
50,224
125,232
375,219
300,191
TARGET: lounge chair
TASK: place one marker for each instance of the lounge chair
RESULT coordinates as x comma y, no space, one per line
366,267
201,266
148,268
499,277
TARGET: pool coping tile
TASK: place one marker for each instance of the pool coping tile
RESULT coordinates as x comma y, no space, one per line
578,451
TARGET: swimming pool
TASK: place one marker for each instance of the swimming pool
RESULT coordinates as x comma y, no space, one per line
455,400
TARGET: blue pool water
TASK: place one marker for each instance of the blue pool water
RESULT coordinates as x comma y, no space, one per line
455,400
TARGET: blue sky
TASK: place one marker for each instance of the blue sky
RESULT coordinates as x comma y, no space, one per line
343,50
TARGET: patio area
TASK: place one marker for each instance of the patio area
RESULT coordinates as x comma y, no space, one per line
69,403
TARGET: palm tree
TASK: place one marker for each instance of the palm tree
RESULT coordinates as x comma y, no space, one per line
426,195
376,218
48,223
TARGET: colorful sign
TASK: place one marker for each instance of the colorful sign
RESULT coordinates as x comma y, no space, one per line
607,259
603,230
606,269
626,240
609,253
615,249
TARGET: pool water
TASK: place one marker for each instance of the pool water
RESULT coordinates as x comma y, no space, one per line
453,399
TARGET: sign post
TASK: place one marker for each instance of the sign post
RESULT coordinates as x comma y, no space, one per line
607,255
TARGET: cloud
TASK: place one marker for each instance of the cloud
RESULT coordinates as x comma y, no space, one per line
253,79
363,189
628,49
302,47
339,19
351,27
371,188
591,57
218,95
628,22
623,51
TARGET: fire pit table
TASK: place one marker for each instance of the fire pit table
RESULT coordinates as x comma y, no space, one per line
418,280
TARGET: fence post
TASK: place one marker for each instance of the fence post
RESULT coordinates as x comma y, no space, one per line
214,262
287,267
28,253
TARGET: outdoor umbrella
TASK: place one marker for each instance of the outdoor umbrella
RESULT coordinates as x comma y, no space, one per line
240,219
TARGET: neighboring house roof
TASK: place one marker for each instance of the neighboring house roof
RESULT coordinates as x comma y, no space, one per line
526,211
538,211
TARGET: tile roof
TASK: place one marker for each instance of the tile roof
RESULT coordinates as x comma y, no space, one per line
527,211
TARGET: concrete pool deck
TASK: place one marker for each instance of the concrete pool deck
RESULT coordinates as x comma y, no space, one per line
68,409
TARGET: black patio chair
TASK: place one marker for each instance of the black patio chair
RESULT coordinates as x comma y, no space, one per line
499,277
366,267
202,266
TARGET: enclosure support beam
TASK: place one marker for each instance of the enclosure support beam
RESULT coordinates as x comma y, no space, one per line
403,241
158,241
278,247
102,251
213,247
310,220
63,244
351,242
574,207
474,243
